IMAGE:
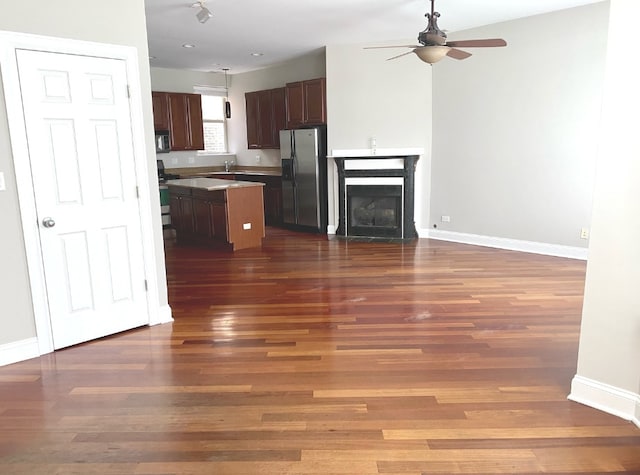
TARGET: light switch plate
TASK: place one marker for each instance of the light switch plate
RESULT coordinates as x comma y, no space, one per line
246,226
3,185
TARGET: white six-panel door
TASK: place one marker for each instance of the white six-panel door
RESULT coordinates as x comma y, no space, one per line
78,128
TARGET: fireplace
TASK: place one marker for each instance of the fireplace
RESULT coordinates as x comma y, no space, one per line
376,196
374,210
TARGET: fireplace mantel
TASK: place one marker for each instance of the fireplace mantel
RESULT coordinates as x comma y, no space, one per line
376,152
377,168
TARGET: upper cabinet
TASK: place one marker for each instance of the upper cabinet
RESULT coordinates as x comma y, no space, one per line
181,114
185,122
266,116
306,103
160,110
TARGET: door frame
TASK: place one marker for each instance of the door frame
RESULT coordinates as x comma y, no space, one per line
9,43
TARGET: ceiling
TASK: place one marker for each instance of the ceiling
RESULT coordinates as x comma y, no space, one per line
285,29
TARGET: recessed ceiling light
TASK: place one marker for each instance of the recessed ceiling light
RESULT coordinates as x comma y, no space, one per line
257,54
188,45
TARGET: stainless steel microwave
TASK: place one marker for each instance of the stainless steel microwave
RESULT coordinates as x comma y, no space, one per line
162,141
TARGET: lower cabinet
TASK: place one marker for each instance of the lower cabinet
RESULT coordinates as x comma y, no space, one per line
273,201
231,217
210,215
181,210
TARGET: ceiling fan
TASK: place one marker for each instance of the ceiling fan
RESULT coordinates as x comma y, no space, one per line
434,45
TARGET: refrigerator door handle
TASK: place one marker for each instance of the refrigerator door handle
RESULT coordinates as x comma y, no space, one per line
294,168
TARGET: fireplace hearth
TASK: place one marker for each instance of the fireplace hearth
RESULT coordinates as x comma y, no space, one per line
376,196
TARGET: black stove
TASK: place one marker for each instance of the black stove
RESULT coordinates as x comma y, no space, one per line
164,176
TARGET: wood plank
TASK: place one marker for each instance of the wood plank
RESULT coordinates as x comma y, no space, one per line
324,356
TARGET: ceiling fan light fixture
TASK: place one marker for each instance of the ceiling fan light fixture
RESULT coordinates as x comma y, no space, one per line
431,54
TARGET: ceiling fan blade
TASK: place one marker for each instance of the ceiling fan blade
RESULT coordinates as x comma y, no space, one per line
490,43
458,54
400,55
395,46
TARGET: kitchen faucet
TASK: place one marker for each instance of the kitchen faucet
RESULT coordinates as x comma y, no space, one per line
227,165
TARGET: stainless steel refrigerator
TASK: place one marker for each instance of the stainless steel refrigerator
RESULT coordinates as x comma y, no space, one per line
304,178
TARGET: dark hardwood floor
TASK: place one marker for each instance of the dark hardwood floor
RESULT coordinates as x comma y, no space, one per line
316,356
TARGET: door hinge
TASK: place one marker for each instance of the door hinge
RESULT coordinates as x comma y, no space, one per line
146,286
128,92
137,192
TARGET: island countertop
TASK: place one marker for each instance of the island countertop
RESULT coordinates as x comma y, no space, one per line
211,184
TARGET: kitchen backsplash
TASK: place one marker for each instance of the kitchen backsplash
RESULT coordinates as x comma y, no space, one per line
192,159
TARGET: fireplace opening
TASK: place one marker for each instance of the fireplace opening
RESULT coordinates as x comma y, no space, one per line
374,210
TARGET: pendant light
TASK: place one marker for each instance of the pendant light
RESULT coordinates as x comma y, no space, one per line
204,13
227,104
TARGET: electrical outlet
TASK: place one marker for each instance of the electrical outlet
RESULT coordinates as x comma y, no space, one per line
174,161
191,160
258,159
445,219
584,233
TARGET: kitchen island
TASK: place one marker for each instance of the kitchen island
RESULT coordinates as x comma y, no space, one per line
270,176
217,212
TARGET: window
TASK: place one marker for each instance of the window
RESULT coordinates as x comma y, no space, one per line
214,123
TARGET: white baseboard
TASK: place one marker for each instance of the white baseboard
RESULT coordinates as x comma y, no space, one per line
164,316
508,244
601,396
19,351
26,349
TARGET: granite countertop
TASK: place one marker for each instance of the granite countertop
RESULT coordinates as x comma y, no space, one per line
211,184
209,171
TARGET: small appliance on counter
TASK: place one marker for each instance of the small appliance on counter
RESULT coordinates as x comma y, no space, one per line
163,144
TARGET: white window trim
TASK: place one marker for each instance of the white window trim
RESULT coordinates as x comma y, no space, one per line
211,90
218,91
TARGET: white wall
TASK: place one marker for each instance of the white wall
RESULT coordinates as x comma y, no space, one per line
369,97
515,129
609,357
310,66
120,22
16,315
180,80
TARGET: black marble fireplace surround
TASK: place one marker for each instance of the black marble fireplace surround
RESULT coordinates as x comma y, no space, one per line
376,210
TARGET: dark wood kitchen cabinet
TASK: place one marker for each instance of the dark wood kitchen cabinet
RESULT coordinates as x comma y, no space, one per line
185,122
198,215
306,103
210,215
266,116
160,101
181,209
181,115
253,118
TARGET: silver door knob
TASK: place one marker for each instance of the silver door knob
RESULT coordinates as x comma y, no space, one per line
48,222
